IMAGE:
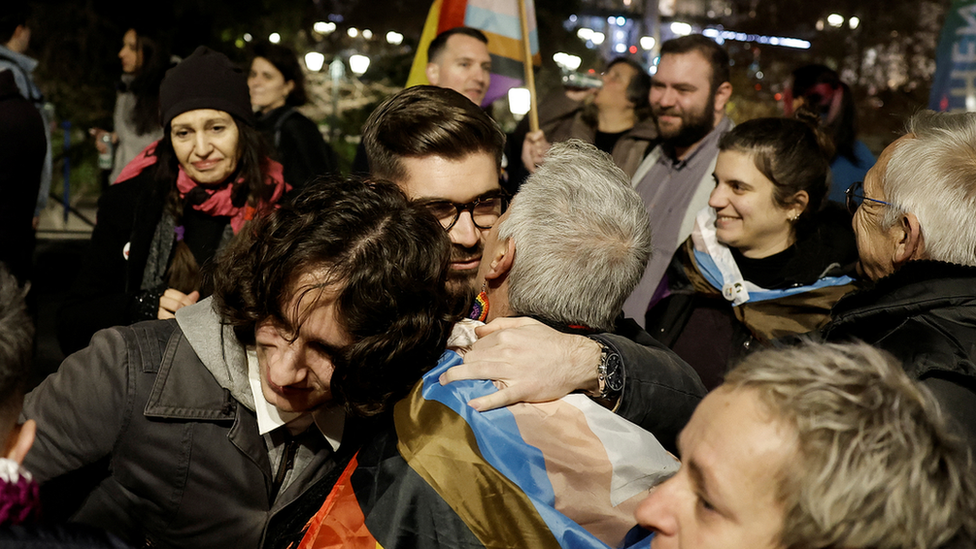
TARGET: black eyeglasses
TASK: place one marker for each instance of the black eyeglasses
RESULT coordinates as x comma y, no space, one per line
854,193
484,211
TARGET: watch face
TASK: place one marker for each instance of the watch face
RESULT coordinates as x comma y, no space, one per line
615,376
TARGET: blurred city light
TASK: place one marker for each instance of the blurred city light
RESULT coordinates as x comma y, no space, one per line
367,34
394,38
620,48
721,35
598,38
647,42
853,22
358,64
519,100
680,29
324,27
585,33
566,60
835,20
621,21
352,32
274,38
248,37
314,61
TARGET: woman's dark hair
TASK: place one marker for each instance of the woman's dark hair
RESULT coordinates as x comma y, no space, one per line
284,59
388,260
792,153
825,94
145,85
249,187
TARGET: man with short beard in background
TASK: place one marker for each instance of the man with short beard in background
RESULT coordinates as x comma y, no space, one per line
688,97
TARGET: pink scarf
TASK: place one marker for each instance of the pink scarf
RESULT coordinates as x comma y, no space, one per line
218,199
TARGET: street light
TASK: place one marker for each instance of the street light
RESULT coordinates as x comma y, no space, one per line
314,61
367,34
358,64
324,27
680,29
567,61
352,32
274,38
835,20
584,33
598,38
394,38
647,42
853,22
518,101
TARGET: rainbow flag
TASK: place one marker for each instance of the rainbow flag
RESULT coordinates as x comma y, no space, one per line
566,474
499,20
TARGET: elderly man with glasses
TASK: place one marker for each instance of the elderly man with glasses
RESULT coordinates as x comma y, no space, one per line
915,221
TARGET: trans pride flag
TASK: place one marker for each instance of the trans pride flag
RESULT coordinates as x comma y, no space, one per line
499,20
566,474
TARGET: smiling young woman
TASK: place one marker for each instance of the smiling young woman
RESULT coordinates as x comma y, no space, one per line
769,256
177,203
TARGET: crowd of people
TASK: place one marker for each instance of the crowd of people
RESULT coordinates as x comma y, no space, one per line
670,331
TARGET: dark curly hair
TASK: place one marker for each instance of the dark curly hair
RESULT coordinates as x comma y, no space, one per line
390,259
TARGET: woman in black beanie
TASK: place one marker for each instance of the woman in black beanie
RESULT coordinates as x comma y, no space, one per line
176,204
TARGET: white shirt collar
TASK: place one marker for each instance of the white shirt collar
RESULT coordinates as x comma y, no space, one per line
330,420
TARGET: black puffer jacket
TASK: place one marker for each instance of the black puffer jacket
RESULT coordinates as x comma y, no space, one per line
925,315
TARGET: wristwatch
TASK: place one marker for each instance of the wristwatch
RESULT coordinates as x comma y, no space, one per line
610,372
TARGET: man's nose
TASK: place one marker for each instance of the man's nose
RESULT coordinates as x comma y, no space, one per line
289,368
464,232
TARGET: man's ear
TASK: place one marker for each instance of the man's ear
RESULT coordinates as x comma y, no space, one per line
909,243
501,262
722,96
433,72
20,441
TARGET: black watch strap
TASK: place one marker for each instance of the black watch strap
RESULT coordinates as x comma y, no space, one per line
610,372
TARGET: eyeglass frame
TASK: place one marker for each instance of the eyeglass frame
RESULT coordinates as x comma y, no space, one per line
850,196
470,206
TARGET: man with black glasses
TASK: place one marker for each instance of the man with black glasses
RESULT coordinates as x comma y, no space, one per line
444,151
915,222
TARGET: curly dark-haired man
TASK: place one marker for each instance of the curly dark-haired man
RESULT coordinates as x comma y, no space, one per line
197,430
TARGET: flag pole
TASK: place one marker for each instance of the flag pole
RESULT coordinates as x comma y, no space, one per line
529,72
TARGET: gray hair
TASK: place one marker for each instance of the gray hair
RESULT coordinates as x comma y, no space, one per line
16,347
934,177
582,237
877,466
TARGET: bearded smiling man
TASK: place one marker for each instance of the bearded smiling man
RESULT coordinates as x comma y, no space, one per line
688,97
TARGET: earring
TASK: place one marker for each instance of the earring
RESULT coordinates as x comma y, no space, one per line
479,309
793,216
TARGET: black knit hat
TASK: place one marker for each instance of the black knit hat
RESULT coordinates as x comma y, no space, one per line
205,80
